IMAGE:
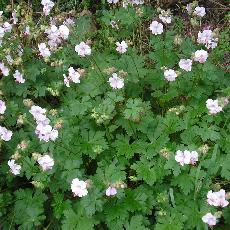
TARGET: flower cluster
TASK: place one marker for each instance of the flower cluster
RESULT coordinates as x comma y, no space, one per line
73,76
208,38
56,35
198,11
186,157
217,199
44,130
165,16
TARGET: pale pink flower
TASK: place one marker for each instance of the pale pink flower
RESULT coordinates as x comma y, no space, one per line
46,162
186,64
2,107
111,191
193,157
64,31
5,134
121,47
44,51
199,11
170,75
183,157
83,49
201,56
213,106
47,6
116,82
5,71
79,187
156,28
217,199
209,219
14,168
18,77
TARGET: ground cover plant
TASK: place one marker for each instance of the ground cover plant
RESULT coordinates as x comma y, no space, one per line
114,115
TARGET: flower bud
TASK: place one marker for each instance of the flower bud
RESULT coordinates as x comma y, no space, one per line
28,102
37,184
36,156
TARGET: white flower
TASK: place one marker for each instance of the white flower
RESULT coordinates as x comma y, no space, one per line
201,56
185,64
83,49
111,191
4,69
217,199
113,1
54,36
116,82
5,134
47,6
2,32
199,11
165,16
14,168
74,75
121,47
64,31
2,107
170,75
209,219
44,51
189,8
156,28
79,187
46,162
18,77
7,27
213,106
204,37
